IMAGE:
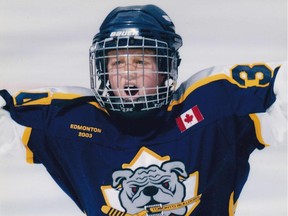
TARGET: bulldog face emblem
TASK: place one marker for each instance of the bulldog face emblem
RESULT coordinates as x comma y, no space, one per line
151,186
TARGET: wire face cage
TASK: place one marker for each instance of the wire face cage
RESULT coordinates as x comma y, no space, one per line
132,73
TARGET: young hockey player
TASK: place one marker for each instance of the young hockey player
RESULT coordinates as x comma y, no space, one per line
143,147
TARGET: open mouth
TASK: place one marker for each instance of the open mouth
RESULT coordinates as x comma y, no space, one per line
131,90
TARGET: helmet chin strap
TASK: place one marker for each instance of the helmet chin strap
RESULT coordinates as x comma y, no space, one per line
142,103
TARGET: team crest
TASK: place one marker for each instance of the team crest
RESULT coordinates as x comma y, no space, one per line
151,185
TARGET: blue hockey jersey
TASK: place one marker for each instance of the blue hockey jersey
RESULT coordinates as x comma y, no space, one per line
190,158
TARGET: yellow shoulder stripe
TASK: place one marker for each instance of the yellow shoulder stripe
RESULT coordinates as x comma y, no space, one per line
40,98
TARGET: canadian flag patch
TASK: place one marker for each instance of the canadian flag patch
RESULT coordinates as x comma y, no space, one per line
189,118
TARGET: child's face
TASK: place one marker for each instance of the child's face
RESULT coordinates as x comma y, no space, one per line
131,74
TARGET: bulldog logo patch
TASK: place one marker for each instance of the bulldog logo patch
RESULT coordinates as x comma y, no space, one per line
151,185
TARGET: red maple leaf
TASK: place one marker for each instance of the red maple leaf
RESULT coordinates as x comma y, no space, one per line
188,118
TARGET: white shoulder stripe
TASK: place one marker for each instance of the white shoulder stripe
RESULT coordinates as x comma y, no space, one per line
66,90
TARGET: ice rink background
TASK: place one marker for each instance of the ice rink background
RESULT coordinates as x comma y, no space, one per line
45,43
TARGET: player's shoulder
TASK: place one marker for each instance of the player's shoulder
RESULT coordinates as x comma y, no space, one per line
44,96
74,90
242,75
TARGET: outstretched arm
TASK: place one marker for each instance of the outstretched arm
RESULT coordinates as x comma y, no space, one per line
10,134
274,122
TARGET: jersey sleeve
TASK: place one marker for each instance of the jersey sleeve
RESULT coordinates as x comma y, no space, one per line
240,89
28,111
30,108
258,90
274,122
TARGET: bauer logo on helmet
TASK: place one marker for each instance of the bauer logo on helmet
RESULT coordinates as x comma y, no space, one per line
124,33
